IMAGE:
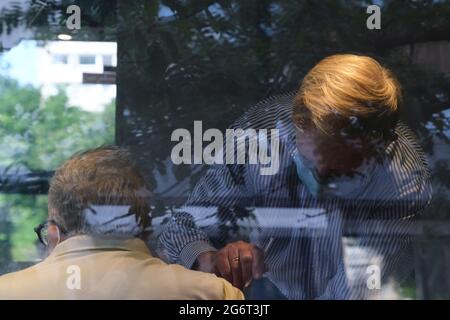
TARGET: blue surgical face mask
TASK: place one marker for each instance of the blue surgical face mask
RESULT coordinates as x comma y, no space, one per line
342,186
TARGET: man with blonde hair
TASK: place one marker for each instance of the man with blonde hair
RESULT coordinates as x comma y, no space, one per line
98,218
350,172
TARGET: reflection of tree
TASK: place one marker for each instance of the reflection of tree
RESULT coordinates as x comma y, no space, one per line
229,220
21,213
211,60
47,18
37,134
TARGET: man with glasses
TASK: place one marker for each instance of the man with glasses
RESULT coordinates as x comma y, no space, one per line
94,236
349,171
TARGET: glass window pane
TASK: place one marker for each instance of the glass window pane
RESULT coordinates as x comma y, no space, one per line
87,59
209,98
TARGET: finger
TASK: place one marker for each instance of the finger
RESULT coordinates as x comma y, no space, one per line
246,258
223,265
258,266
233,257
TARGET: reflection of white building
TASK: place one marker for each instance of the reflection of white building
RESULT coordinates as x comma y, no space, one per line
62,64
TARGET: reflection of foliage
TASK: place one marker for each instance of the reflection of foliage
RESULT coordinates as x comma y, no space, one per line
229,220
46,21
407,290
442,173
213,59
39,134
23,213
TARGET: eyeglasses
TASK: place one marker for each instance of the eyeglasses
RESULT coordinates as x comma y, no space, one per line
42,231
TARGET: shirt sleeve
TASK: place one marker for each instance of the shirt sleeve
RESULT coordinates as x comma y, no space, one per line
182,241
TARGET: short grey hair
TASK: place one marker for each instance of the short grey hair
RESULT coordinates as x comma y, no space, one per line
104,176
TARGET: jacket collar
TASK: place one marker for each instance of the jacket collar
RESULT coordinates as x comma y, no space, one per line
86,243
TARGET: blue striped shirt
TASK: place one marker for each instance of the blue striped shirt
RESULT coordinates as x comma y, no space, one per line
307,257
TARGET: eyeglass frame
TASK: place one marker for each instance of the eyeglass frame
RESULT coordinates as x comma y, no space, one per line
38,229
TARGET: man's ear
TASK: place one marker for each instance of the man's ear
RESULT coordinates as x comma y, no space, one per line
54,237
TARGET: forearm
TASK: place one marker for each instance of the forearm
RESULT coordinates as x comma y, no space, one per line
189,256
181,240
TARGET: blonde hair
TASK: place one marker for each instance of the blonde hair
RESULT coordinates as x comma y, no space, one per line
345,86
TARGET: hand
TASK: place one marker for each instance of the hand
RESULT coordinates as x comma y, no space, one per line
240,262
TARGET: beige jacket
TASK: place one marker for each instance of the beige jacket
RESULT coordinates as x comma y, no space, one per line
84,267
